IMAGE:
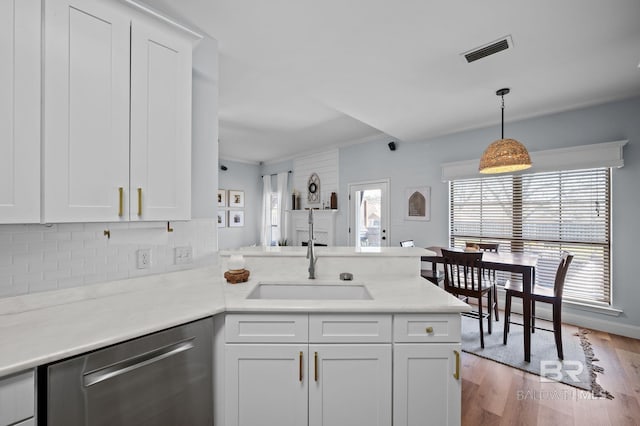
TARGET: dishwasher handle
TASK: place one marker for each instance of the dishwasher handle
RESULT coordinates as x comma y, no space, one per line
96,376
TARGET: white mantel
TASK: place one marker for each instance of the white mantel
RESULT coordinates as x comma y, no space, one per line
324,226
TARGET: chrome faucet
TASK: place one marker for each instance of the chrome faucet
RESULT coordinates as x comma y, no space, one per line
310,249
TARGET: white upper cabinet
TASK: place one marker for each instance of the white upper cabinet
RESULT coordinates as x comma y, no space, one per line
20,111
117,115
160,123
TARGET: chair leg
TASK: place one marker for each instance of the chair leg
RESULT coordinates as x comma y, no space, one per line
489,309
495,301
481,326
507,317
557,328
533,316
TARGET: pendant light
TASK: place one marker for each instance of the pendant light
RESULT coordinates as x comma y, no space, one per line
504,155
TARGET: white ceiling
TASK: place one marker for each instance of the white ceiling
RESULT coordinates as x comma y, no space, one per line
304,75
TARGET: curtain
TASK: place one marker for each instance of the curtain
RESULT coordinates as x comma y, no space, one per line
283,206
265,227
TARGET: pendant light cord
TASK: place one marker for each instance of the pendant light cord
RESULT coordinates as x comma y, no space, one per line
502,136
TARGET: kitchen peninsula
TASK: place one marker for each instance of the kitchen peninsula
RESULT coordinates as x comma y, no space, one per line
399,348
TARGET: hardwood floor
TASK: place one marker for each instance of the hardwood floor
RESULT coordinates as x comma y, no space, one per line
495,394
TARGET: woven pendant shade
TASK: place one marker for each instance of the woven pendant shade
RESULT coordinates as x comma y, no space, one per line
504,155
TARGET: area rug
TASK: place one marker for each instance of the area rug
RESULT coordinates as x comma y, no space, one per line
577,368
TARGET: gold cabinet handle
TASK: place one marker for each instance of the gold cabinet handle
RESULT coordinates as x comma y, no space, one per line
456,375
300,368
315,365
429,330
120,201
139,201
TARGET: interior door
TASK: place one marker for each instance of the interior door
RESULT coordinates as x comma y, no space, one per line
369,214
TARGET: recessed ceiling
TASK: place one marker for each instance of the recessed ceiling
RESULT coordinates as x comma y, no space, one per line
300,75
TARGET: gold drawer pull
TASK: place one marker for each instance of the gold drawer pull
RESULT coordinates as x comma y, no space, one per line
456,375
139,201
429,330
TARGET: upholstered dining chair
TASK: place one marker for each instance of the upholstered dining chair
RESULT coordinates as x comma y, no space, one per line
540,293
463,276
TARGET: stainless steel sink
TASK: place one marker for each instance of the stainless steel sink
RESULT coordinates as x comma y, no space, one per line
309,291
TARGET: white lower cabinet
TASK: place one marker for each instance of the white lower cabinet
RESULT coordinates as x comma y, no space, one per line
270,381
17,399
266,384
426,369
342,369
425,384
350,385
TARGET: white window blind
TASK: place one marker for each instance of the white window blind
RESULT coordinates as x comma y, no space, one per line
546,214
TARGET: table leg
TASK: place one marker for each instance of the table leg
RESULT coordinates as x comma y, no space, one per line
526,312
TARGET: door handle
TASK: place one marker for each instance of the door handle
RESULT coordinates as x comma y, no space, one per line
300,368
315,365
456,375
100,375
120,201
139,201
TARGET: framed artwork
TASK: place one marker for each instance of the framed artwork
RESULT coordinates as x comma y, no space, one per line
222,219
236,198
222,198
236,218
418,203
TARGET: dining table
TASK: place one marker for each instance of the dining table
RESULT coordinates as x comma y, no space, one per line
517,263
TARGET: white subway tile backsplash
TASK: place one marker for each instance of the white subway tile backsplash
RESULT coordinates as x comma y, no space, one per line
36,258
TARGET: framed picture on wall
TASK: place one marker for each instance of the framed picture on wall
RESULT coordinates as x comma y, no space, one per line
418,203
236,218
236,198
222,219
222,198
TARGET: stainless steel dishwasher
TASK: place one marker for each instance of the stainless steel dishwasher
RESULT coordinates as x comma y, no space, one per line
163,378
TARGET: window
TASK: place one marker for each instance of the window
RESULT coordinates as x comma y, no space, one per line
542,213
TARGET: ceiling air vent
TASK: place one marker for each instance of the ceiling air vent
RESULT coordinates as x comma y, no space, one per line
488,49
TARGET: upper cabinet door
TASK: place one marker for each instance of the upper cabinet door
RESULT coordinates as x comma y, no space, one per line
86,111
20,111
160,122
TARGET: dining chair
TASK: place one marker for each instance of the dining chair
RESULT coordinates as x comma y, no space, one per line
432,275
544,294
463,276
491,273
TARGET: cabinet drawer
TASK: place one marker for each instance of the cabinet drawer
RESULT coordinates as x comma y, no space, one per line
426,328
335,328
266,328
17,397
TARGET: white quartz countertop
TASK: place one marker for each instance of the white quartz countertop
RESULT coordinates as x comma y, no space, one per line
295,251
41,328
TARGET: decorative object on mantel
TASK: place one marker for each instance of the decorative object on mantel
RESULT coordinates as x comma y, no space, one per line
313,188
334,201
504,155
418,203
295,200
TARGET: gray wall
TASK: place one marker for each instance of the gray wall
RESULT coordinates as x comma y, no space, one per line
418,164
244,177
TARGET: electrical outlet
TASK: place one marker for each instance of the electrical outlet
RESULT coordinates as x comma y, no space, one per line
144,258
183,255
